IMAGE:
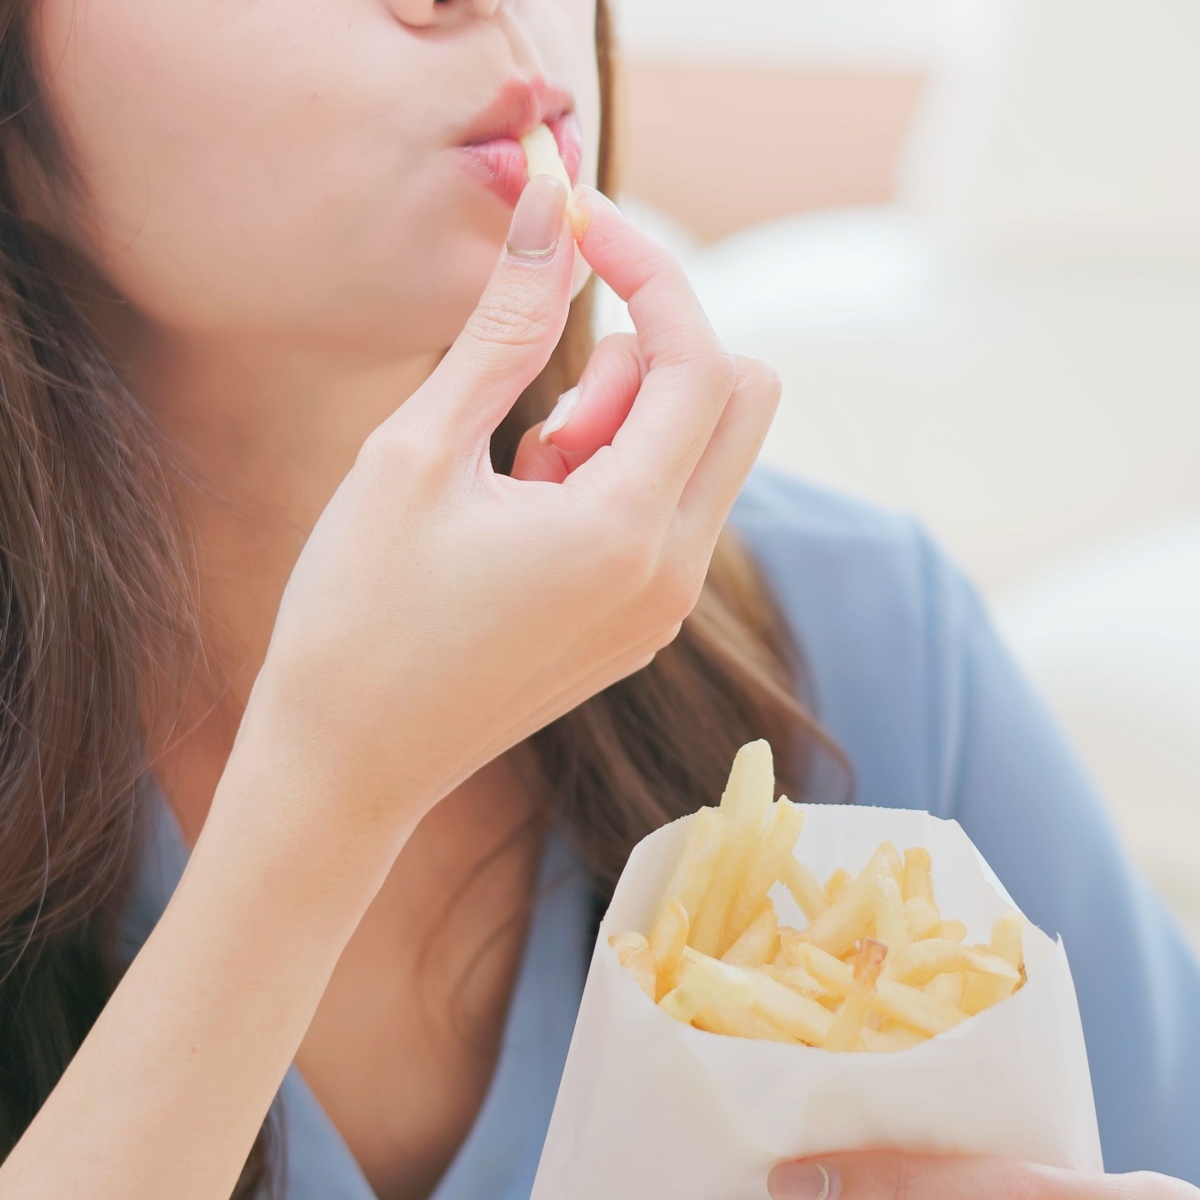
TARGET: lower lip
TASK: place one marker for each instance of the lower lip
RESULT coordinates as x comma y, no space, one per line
500,164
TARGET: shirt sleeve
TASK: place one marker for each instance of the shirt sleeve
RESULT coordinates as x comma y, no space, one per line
1006,773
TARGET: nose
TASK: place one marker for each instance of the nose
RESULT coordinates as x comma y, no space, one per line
431,12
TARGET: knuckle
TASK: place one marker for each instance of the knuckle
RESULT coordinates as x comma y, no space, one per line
401,451
509,318
759,379
679,585
723,370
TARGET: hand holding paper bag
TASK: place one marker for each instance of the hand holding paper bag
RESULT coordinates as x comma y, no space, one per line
651,1106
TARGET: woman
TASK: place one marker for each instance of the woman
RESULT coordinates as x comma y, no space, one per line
249,393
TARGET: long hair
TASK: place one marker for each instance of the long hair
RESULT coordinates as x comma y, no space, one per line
100,622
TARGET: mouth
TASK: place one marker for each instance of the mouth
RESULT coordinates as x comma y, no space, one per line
519,106
491,149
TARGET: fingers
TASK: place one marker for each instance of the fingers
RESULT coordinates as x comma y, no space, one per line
593,413
883,1176
513,330
689,374
732,450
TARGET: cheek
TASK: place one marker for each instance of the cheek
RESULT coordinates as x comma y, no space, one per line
240,164
259,164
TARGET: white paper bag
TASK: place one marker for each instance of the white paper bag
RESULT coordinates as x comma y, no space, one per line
652,1108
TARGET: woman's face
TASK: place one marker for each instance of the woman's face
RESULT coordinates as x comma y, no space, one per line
292,167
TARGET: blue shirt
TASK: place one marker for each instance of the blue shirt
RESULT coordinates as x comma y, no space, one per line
907,673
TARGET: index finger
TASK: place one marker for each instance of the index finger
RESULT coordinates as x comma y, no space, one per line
690,376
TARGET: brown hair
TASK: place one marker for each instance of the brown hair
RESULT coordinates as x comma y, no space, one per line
99,621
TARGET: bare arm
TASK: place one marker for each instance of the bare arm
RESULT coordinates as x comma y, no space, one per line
168,1091
439,614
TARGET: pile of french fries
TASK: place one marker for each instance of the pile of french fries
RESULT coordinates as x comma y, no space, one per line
875,969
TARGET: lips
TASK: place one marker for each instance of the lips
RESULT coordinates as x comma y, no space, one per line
491,151
519,106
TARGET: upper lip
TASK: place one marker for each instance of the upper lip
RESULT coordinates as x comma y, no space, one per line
519,106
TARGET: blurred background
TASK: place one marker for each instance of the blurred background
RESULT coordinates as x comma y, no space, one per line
967,234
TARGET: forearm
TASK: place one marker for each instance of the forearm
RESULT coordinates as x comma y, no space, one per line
168,1091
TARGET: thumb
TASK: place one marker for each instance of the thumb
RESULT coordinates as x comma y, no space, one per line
516,325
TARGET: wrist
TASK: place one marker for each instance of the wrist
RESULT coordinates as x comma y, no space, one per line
292,798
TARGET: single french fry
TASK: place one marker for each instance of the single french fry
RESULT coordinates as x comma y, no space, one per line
913,1007
745,805
829,971
891,925
918,875
728,999
877,1041
758,942
799,980
837,883
924,960
894,1036
1008,939
806,890
852,914
799,1016
767,861
1007,943
947,987
633,951
952,931
844,1033
689,881
667,940
682,1004
542,158
704,993
922,916
895,863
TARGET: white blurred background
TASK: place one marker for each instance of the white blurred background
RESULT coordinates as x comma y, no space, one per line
967,233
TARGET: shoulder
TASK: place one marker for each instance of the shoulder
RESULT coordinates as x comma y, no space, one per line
878,612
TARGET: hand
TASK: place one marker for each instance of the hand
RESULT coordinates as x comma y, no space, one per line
440,613
885,1176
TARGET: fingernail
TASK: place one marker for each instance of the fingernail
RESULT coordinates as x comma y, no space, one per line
567,403
537,221
804,1181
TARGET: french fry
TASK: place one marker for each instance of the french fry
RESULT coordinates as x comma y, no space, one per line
1008,939
689,881
758,942
847,1026
894,1036
924,960
948,988
773,852
667,940
897,1001
922,916
745,805
983,991
891,925
895,863
952,931
852,915
918,875
808,893
727,999
542,158
799,980
837,883
876,969
633,951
